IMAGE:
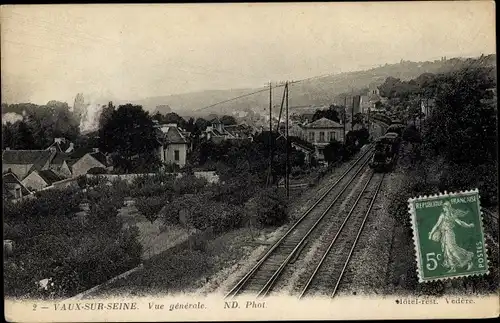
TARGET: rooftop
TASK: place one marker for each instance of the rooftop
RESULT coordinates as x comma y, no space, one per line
172,134
49,176
9,180
323,123
26,157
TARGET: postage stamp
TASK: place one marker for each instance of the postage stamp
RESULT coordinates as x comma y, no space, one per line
448,235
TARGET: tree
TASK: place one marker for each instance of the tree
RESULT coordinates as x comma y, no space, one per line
106,114
130,136
8,134
40,125
363,135
330,113
150,206
173,117
202,124
23,137
464,111
357,119
228,120
411,134
333,151
271,207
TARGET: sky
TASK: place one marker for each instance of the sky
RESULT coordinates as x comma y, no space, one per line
128,52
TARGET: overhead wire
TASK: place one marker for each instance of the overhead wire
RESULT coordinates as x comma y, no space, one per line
264,90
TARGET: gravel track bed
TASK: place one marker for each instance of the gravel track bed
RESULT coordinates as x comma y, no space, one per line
368,266
224,280
330,271
299,272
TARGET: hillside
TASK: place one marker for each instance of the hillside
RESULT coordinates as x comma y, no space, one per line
319,91
314,92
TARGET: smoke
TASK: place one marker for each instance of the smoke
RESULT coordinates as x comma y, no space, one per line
90,117
89,113
11,117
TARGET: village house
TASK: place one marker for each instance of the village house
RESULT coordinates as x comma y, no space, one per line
174,146
372,100
321,132
427,106
308,152
13,188
59,165
62,145
295,130
218,132
39,179
83,160
23,162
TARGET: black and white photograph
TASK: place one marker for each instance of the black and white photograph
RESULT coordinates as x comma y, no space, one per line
249,161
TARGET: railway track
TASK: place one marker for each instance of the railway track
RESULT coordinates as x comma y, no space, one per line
263,276
332,264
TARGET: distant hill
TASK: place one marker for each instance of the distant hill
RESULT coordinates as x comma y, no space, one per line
314,92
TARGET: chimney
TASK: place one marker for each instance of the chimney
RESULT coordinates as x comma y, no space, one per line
7,148
95,150
70,148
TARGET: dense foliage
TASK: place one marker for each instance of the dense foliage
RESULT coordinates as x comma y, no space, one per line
129,136
455,151
245,156
55,240
461,128
38,125
330,113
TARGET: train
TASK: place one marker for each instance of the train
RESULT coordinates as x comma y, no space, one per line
386,152
387,147
396,127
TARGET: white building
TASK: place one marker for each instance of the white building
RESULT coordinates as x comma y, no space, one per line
173,144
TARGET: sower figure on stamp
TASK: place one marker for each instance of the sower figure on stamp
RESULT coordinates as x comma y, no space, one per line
453,255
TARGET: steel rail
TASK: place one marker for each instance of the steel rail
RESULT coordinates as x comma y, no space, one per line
250,273
358,235
332,242
270,283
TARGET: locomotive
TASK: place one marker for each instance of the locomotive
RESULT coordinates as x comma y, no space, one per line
396,127
386,152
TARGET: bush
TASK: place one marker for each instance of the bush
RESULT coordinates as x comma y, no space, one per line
171,167
51,244
271,207
189,184
398,207
220,217
297,171
151,206
91,181
97,170
458,177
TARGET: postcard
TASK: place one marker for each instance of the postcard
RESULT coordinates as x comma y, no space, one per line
249,161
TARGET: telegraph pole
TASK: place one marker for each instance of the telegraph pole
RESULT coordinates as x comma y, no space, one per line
287,173
344,117
270,174
352,111
420,116
369,121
